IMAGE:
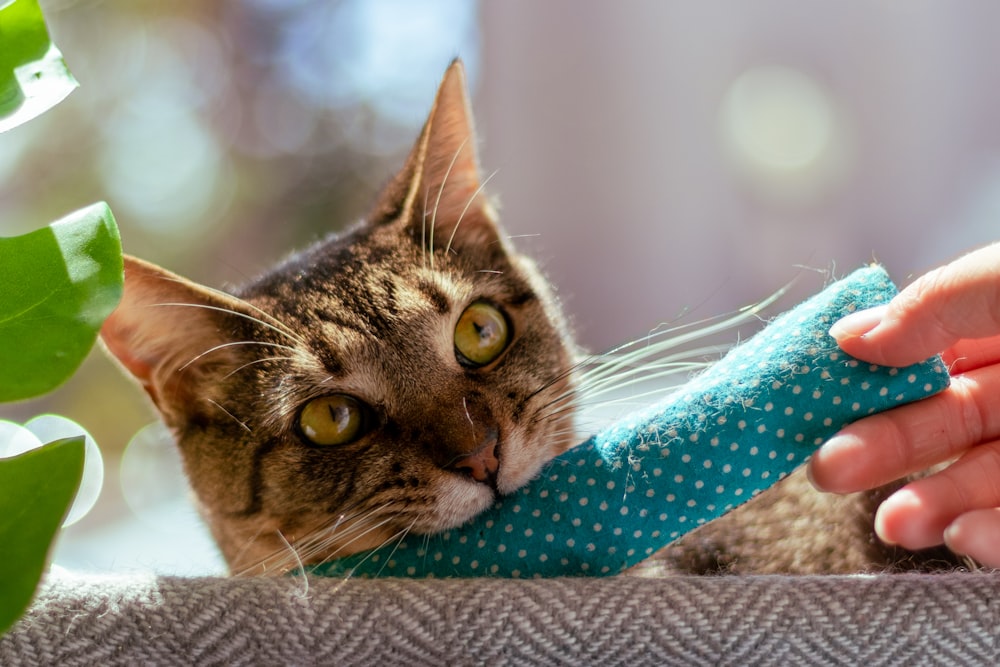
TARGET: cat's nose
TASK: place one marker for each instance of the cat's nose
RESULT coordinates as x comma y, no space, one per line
481,465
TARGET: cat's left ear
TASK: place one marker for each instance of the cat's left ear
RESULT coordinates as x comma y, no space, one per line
438,194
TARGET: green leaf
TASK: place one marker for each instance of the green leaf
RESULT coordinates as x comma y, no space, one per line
33,75
57,285
38,487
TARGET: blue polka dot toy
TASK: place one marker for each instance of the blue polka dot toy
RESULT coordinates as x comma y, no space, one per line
722,438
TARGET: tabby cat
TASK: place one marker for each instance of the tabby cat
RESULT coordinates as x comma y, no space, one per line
398,378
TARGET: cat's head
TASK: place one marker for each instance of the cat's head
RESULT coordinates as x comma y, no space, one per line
397,377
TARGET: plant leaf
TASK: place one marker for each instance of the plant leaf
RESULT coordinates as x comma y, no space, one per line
57,285
38,488
33,74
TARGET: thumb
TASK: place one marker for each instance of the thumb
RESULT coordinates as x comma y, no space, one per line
957,301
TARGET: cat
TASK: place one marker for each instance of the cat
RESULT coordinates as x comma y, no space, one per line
395,378
399,378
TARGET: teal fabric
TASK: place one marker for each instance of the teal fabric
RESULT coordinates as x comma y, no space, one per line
725,436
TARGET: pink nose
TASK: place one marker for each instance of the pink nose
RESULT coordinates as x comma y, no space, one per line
481,466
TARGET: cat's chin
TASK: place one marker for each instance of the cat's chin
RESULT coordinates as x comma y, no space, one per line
460,501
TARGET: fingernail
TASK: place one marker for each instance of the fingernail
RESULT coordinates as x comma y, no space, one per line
880,528
824,471
858,324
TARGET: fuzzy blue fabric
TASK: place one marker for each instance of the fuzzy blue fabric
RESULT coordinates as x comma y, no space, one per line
722,438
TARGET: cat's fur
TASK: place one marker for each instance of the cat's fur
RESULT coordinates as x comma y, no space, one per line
372,314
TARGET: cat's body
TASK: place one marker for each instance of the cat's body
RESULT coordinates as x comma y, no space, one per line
398,378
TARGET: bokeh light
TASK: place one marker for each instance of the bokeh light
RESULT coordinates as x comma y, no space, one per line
782,128
16,439
153,482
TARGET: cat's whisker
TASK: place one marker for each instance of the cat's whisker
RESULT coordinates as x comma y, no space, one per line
278,327
255,361
561,402
658,371
465,406
440,193
593,396
645,358
246,547
236,419
677,336
316,543
233,344
298,563
465,210
423,233
398,538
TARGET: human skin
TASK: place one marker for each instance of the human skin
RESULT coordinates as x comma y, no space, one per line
955,311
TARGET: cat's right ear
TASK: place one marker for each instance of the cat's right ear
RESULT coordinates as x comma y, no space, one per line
168,332
438,195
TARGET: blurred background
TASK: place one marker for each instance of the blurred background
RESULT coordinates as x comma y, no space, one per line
662,159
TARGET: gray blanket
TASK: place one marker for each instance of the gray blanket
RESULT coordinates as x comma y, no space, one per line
951,619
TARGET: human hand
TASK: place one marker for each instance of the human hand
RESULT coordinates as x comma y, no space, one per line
955,311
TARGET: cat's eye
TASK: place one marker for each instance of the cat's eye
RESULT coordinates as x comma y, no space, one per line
337,419
481,335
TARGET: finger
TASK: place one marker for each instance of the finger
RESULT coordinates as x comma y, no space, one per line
917,515
976,534
970,354
959,300
884,447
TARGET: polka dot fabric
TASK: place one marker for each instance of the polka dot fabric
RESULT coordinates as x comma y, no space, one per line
721,439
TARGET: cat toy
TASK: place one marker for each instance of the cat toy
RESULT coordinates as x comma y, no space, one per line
722,438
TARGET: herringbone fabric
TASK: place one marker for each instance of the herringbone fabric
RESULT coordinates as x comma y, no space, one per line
951,619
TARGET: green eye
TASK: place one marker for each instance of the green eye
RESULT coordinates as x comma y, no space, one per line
332,420
481,335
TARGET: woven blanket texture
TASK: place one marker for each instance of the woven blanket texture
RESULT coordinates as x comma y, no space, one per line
951,619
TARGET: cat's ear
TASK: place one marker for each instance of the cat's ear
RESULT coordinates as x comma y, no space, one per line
438,194
169,332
